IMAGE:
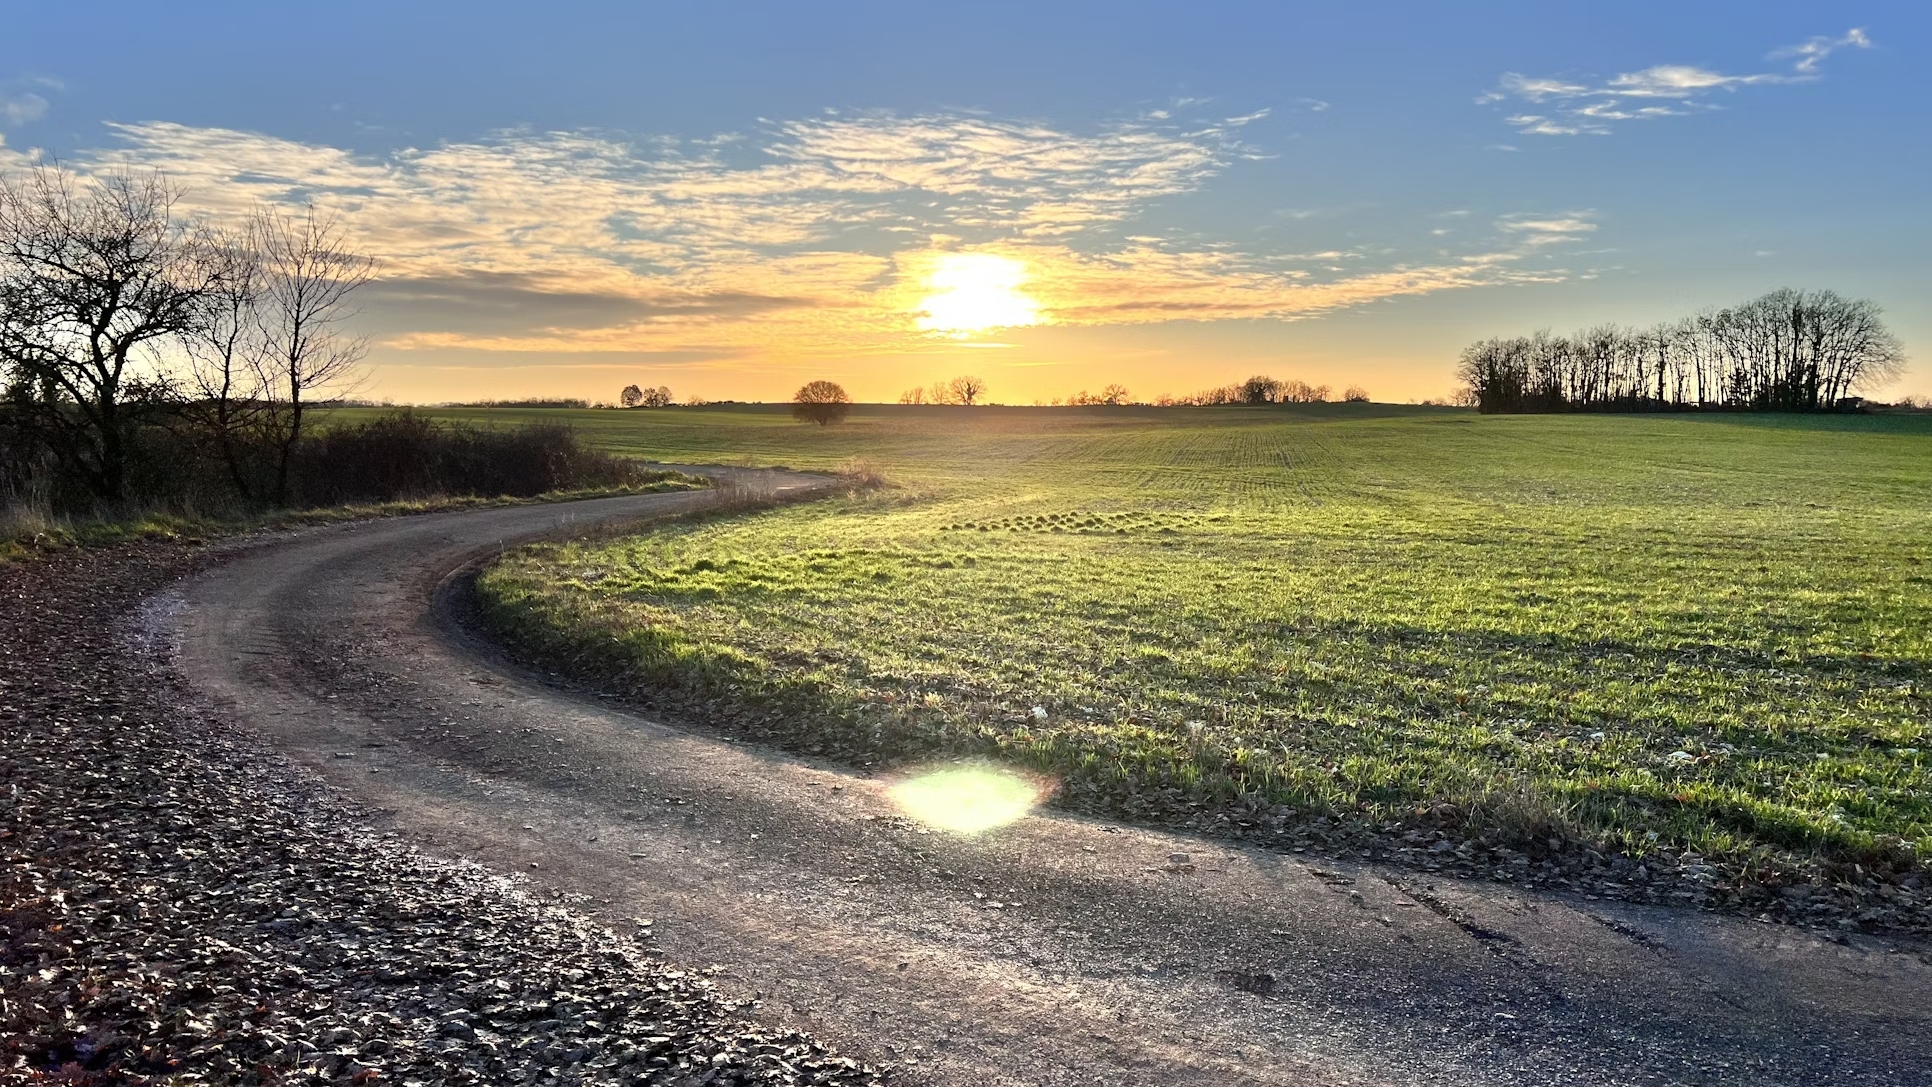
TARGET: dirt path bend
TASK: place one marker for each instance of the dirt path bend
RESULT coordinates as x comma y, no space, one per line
1059,950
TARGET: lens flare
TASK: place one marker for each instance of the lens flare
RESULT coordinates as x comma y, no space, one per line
966,799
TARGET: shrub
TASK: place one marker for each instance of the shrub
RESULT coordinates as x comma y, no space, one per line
406,455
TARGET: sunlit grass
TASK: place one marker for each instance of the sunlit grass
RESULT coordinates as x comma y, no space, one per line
1710,633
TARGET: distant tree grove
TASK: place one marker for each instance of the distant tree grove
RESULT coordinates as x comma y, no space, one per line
1786,351
1262,389
635,397
1111,396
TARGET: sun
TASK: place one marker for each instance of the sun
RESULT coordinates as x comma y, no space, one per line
974,292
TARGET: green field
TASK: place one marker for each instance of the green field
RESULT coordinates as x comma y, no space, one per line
1695,632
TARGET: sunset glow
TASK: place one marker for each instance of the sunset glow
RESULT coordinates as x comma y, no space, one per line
735,219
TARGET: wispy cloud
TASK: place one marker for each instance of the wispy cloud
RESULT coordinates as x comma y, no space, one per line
1570,107
1539,230
1811,52
18,109
804,238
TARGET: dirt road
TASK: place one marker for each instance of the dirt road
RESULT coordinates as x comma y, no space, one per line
1058,950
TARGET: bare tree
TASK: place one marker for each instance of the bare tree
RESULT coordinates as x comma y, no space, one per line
659,397
1355,394
914,395
1296,391
965,390
309,270
631,397
93,274
821,402
222,386
1785,351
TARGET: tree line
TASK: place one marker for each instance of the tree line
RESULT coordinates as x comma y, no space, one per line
1262,389
964,391
1785,351
1258,390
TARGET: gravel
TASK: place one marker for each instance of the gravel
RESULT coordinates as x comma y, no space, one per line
179,904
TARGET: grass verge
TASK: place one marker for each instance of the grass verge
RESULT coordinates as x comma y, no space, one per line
24,530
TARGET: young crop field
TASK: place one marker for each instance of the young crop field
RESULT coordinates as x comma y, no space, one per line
1694,633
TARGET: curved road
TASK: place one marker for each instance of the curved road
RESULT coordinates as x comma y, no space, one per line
1059,950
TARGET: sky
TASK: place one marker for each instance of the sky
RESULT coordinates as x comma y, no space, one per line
731,199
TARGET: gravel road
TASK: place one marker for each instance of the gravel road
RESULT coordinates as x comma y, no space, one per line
181,904
1058,950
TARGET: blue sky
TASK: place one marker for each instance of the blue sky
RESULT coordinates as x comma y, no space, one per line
732,198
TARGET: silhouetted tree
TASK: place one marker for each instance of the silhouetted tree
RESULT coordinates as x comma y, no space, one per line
1111,396
631,397
821,402
1300,392
223,386
309,271
1355,394
1786,351
965,390
91,273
